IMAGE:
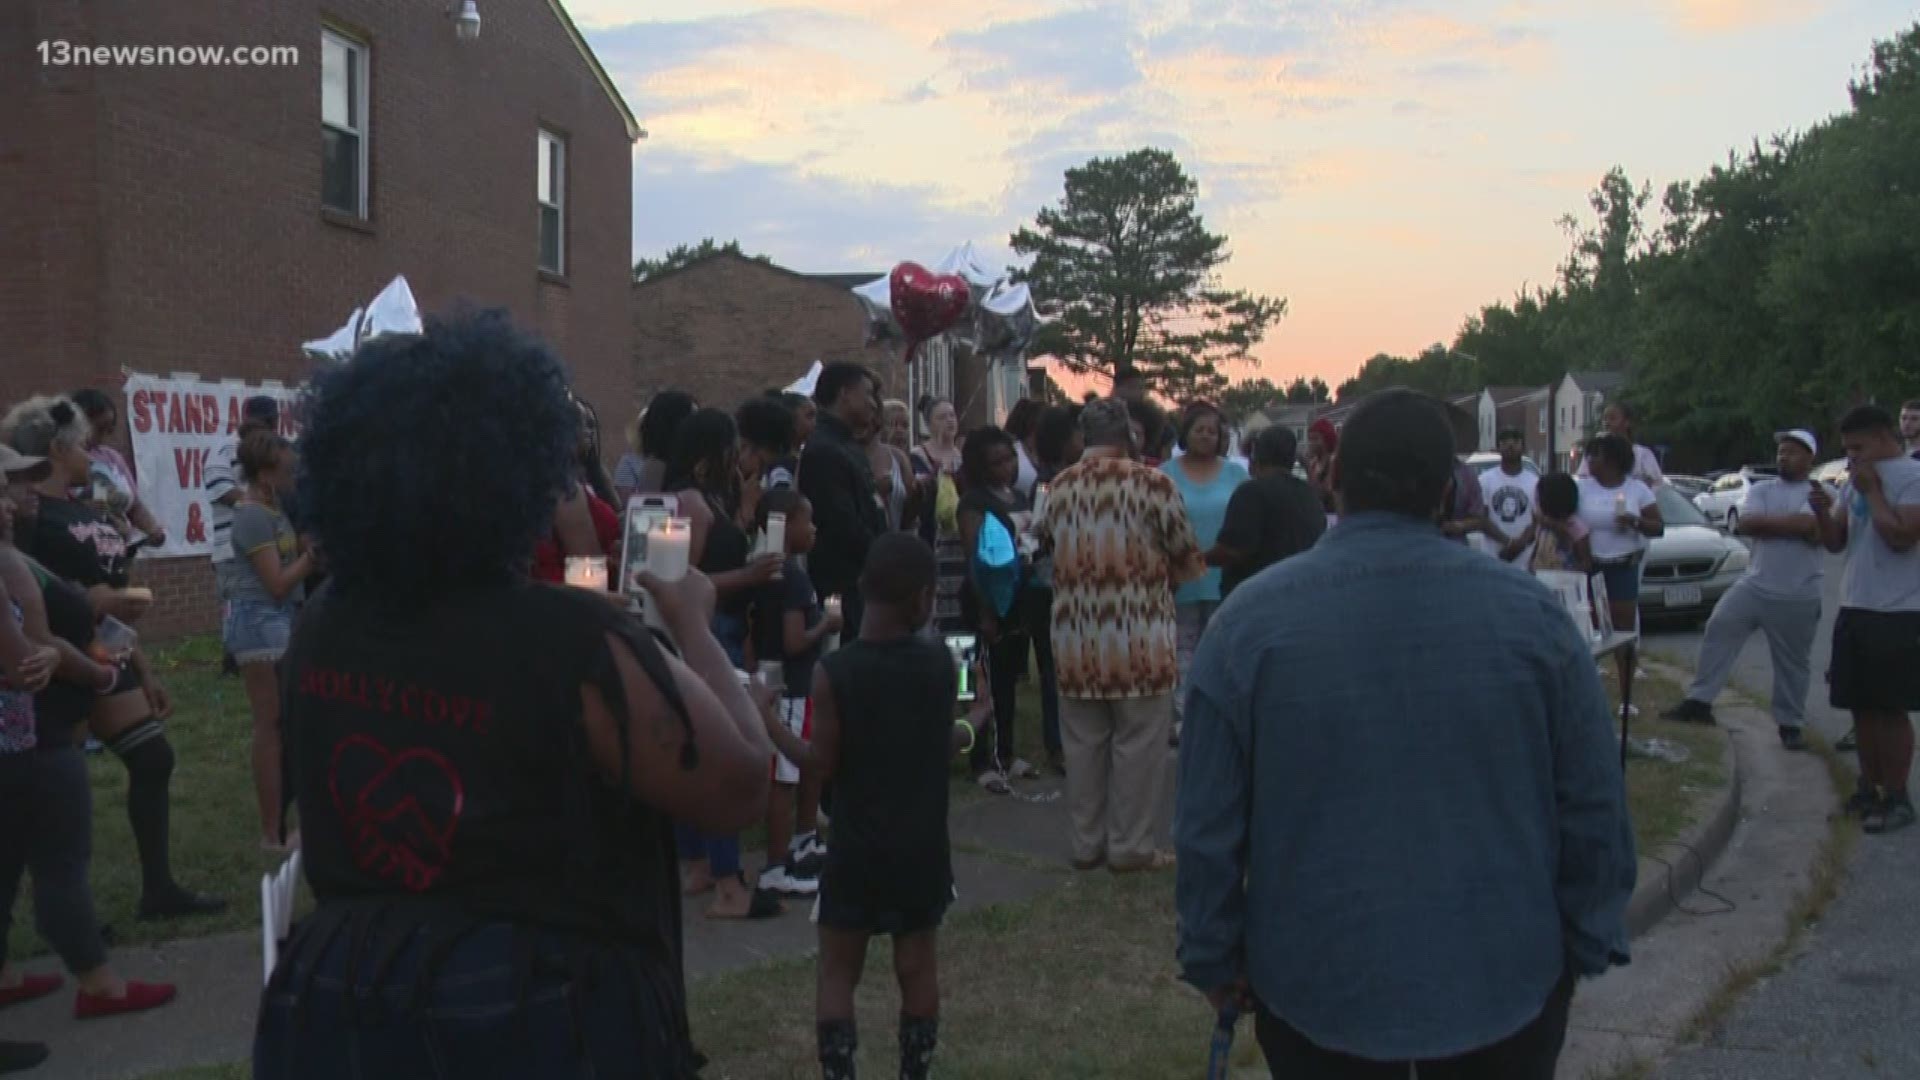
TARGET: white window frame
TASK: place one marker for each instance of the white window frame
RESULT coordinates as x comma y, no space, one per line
549,142
360,97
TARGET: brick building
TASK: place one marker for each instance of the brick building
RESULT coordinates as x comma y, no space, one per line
192,217
728,327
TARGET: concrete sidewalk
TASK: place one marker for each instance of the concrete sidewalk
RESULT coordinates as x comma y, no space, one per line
1845,1005
219,977
1639,1012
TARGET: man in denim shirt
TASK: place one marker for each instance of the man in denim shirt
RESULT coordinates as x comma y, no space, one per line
1402,831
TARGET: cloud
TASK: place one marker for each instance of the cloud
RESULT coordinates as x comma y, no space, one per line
640,49
1082,52
1726,16
803,221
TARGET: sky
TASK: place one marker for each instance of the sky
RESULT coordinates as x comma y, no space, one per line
1387,166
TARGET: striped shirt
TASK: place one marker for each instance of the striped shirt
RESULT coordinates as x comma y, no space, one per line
222,478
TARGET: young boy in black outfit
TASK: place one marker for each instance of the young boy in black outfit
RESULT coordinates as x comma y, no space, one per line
790,626
883,732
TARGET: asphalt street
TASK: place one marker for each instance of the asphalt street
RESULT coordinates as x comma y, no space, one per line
1844,1005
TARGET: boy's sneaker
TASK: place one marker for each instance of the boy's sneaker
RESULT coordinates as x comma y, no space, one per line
785,881
807,857
1792,738
1848,743
1689,711
1863,799
1890,815
1022,770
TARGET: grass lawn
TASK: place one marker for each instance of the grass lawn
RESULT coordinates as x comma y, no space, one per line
216,830
1665,797
1078,982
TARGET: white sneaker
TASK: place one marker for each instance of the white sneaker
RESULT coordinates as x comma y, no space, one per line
807,847
778,879
1021,770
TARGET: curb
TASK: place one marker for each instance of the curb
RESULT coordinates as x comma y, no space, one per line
1657,888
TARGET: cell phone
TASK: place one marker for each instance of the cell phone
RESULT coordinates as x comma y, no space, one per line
966,652
643,512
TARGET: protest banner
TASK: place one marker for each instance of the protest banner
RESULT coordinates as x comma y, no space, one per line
178,422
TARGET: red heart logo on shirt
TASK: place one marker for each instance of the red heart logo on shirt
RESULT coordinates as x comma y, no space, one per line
400,810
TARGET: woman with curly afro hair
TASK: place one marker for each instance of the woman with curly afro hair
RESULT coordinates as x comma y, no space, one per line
486,766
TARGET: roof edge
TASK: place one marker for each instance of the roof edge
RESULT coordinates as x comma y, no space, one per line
635,132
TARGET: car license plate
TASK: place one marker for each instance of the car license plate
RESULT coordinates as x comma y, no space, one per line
1682,596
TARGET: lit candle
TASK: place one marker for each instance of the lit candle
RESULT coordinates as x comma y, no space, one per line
833,611
668,543
1039,500
776,538
587,572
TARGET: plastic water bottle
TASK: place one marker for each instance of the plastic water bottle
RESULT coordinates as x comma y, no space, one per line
1220,1047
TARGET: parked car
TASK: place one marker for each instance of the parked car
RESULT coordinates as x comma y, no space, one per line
1834,473
1689,486
1691,566
1721,502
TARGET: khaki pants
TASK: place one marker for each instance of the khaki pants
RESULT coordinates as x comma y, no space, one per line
1116,764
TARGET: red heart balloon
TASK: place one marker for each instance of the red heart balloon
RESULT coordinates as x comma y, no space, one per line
926,304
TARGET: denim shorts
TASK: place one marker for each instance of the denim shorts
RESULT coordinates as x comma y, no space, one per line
256,633
1623,580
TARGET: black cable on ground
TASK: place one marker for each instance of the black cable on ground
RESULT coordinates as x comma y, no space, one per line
1727,906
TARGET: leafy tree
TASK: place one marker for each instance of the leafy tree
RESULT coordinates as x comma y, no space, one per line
1249,396
687,254
1126,273
1303,391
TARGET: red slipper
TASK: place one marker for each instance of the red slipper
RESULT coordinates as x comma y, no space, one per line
33,986
139,998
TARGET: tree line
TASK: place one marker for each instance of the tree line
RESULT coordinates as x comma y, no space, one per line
1775,291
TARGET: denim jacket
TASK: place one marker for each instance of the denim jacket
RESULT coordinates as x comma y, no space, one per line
1401,809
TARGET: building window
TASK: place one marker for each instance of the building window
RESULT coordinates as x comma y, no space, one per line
343,123
553,203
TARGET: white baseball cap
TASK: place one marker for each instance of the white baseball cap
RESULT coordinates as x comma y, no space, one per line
1800,435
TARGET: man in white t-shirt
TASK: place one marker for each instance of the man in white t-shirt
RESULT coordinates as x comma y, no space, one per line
1508,490
1618,418
1779,596
1910,428
1875,673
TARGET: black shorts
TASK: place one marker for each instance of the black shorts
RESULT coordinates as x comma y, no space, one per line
845,905
1876,661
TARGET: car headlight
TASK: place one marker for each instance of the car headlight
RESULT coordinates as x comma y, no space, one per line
1736,561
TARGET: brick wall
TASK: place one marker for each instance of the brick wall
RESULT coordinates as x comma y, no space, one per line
184,598
727,328
168,218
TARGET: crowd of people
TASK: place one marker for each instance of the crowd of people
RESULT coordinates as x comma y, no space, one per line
505,789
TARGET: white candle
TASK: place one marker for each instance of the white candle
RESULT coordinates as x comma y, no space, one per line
587,572
833,610
1039,500
776,538
668,543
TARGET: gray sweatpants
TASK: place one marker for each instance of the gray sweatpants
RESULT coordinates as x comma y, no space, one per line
1789,626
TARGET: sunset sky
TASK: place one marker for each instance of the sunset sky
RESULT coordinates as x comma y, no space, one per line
1385,165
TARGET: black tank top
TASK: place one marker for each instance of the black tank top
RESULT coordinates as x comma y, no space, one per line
441,769
726,549
895,701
